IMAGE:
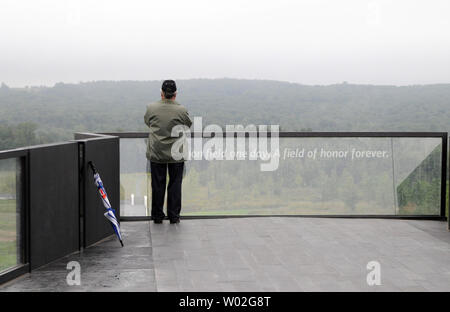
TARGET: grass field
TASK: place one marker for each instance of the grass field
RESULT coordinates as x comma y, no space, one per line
8,240
228,199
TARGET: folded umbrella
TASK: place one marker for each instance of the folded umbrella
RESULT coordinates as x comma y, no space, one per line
110,212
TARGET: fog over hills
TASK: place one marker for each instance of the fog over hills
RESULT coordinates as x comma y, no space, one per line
56,112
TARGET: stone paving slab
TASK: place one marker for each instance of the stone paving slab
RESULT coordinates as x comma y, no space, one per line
300,254
258,254
104,267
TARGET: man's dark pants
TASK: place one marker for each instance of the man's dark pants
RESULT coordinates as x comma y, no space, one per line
159,174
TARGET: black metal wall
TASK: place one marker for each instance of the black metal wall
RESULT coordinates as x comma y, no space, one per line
54,205
104,153
61,208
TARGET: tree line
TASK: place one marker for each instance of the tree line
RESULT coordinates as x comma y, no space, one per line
54,113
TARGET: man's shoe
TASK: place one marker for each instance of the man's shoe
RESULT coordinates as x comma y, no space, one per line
157,221
174,221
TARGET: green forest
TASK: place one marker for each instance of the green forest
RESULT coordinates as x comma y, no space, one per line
34,115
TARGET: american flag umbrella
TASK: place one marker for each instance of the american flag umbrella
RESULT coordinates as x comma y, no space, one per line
109,214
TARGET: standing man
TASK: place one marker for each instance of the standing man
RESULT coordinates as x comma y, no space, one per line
161,117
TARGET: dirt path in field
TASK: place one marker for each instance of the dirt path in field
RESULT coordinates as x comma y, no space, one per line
7,236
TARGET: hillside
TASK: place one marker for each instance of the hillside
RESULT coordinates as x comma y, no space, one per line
111,106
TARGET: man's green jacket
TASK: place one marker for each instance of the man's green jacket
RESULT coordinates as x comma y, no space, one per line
161,117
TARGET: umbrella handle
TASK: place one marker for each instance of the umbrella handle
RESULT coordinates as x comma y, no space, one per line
91,164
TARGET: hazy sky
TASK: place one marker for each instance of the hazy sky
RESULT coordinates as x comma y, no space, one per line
310,42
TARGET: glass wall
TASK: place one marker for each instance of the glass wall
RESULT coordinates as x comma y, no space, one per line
10,213
133,178
315,176
417,168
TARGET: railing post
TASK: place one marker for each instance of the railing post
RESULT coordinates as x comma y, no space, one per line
444,175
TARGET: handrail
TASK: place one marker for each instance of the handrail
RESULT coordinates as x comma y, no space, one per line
289,134
13,153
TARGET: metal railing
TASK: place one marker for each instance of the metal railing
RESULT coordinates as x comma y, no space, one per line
14,248
410,182
50,207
